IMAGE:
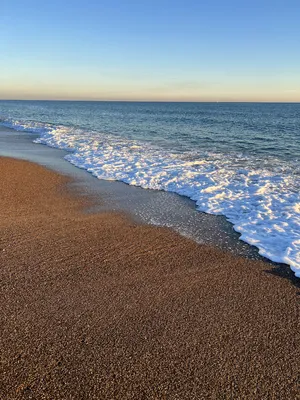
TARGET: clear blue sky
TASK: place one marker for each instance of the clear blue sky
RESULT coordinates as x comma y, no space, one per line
209,50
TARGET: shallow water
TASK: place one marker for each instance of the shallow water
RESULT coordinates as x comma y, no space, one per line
237,160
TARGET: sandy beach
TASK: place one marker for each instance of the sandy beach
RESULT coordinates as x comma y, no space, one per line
94,306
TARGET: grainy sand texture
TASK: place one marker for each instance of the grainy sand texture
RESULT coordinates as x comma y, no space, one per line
94,306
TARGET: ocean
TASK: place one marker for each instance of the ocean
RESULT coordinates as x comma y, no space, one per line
240,160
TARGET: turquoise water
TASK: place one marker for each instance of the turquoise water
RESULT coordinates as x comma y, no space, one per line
241,160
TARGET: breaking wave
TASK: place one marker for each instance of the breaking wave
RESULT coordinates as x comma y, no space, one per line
259,196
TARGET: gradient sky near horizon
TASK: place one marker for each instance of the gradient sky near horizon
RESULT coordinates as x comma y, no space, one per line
161,50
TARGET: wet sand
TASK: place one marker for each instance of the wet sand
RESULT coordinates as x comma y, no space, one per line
98,307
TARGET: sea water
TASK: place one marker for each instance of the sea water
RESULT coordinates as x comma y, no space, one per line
241,160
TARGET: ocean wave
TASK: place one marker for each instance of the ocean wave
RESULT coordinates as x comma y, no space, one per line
259,196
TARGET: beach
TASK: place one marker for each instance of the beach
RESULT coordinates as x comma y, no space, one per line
96,306
247,173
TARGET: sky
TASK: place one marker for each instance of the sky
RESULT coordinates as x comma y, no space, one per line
159,50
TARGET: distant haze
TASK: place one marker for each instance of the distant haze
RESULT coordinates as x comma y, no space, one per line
150,50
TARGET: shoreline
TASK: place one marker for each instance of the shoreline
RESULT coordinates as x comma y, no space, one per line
151,207
97,306
229,225
144,206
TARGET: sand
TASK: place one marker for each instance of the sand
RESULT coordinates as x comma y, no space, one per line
98,307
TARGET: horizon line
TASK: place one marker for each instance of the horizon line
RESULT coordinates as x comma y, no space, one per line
157,101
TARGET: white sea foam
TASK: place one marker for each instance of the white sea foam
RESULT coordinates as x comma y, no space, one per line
259,197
